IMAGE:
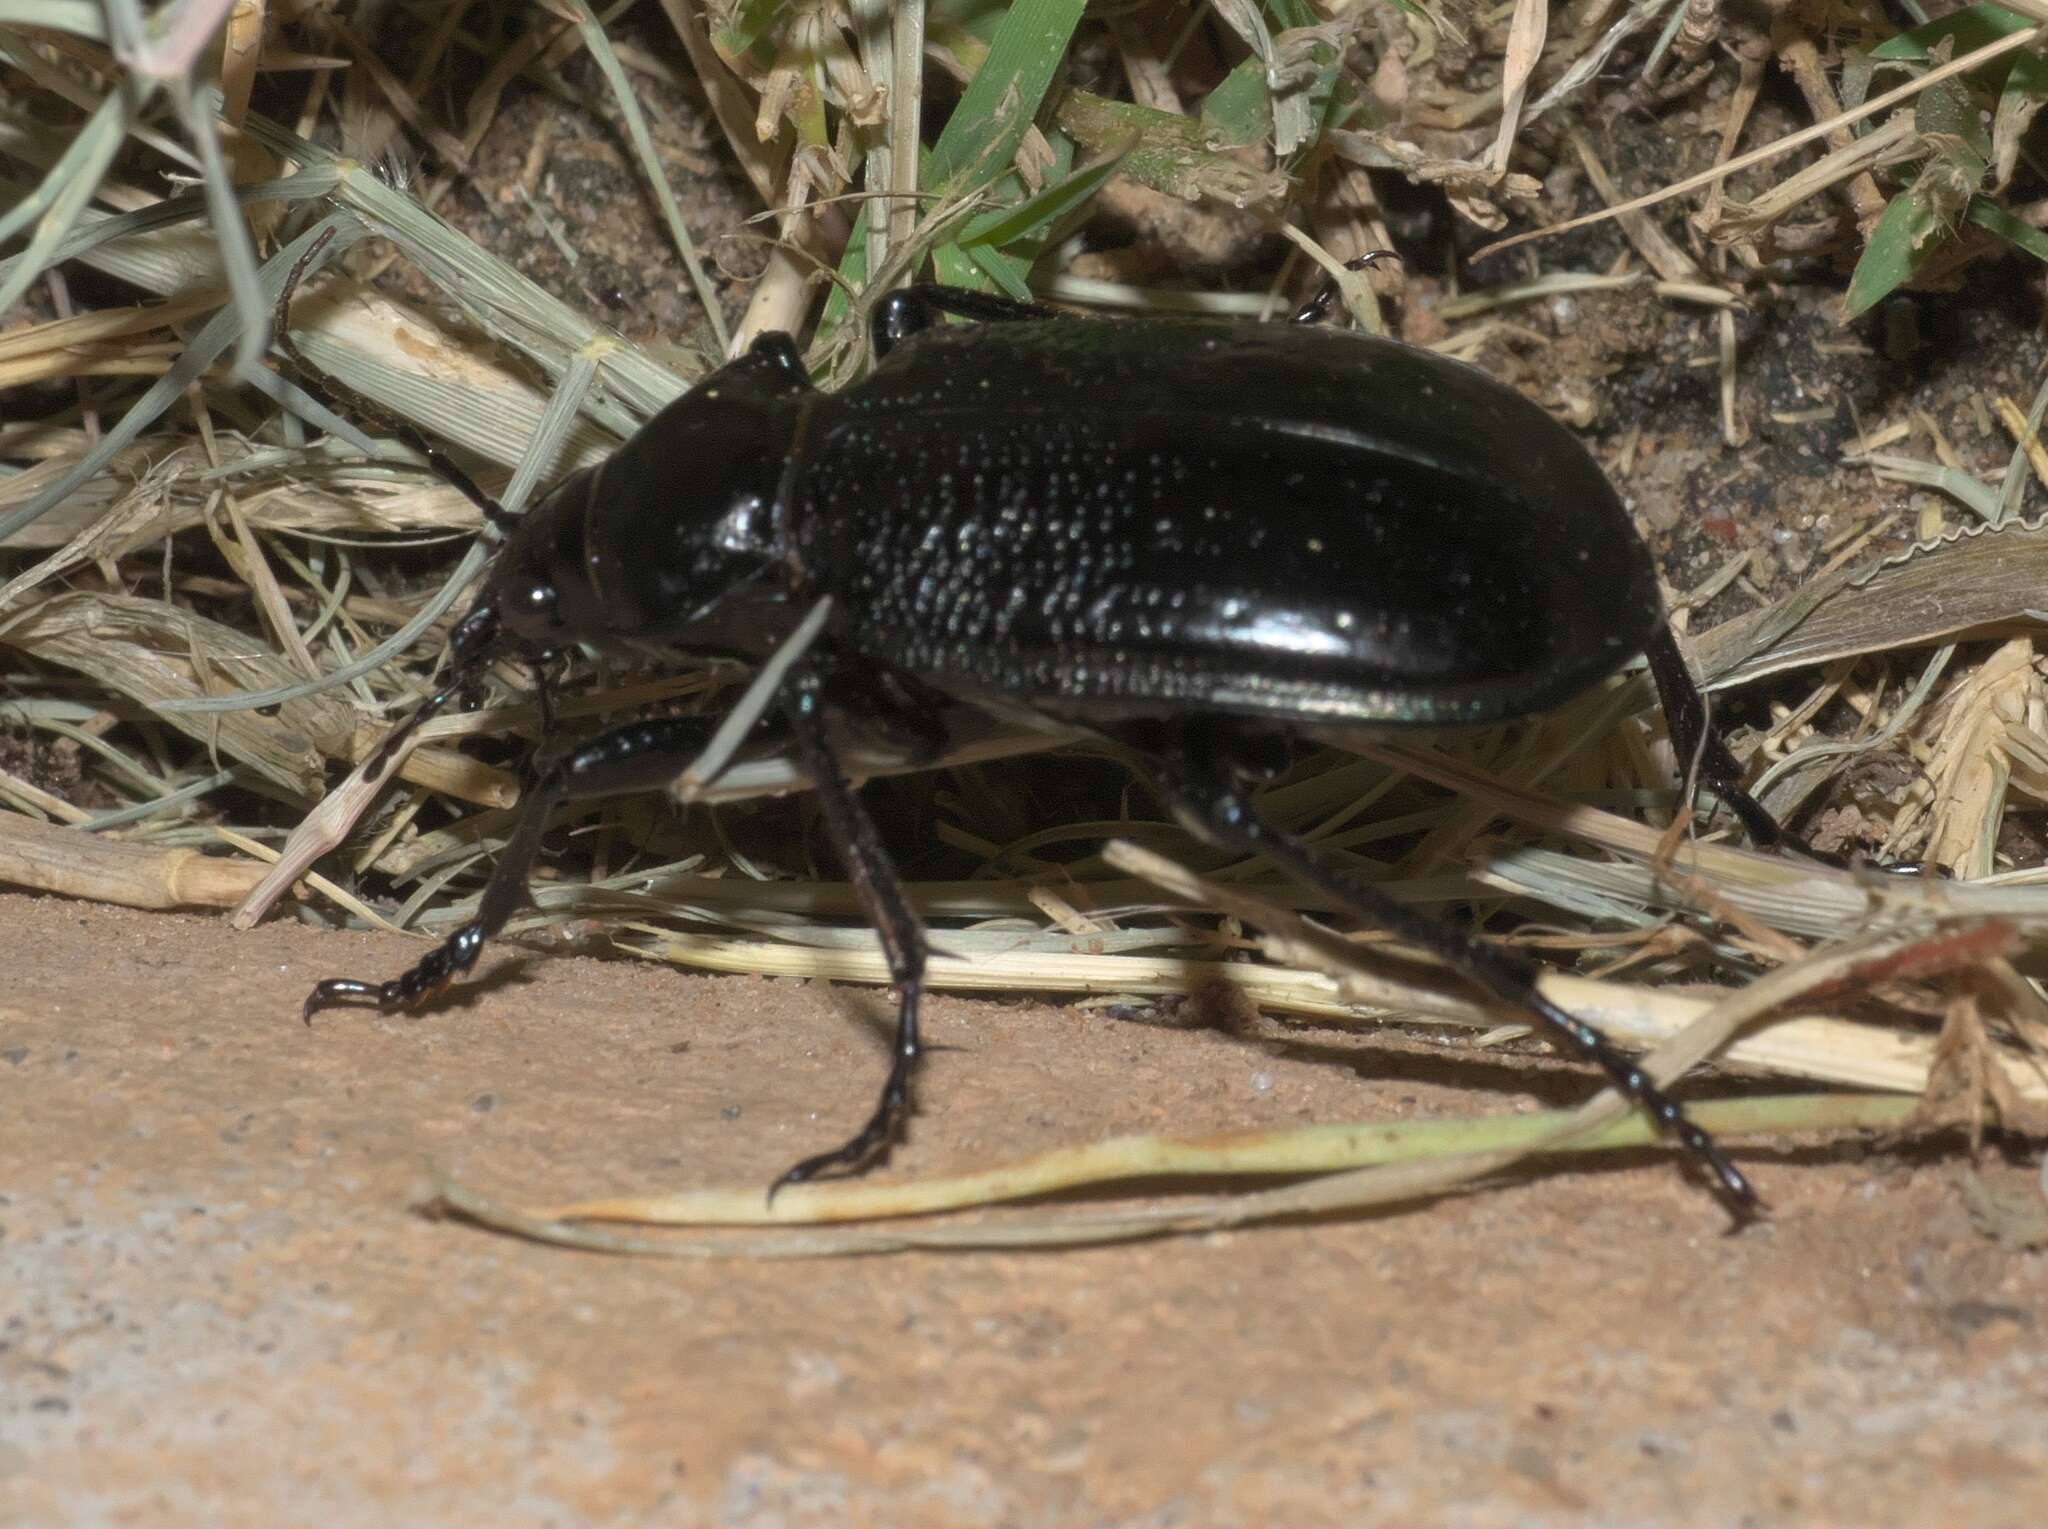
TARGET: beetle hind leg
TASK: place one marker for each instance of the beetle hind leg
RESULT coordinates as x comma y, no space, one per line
1694,737
1202,784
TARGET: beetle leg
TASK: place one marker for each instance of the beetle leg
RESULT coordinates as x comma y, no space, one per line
912,310
636,757
1199,779
1694,736
471,644
1317,308
896,922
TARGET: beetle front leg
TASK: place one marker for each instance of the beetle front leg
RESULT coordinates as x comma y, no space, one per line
896,923
636,757
1198,776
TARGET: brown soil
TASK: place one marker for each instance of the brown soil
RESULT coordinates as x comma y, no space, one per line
219,1308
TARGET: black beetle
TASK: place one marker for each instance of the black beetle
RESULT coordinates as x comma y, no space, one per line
1191,537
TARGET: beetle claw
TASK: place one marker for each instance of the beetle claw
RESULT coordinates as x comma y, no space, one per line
870,1144
342,990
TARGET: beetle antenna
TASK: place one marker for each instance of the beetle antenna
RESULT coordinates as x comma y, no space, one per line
444,466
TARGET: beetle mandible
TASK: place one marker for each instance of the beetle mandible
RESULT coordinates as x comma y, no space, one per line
1190,537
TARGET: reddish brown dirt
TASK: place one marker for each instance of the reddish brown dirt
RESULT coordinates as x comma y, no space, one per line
215,1306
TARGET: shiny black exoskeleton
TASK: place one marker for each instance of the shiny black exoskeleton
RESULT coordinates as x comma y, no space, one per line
1189,536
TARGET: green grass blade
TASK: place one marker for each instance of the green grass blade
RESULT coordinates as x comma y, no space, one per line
1036,214
61,200
1904,234
983,134
197,109
1972,28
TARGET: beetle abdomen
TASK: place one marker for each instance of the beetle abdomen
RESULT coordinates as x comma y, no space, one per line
1298,554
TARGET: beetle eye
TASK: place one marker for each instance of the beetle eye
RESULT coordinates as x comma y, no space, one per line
530,606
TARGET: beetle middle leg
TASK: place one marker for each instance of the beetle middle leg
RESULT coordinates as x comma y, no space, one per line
1197,769
805,705
636,757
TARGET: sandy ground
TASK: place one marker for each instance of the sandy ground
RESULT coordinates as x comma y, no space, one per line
219,1309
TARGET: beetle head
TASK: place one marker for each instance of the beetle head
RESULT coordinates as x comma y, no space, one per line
540,583
676,538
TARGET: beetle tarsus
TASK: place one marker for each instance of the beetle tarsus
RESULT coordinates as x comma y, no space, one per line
432,972
340,990
1504,974
637,756
1694,737
872,1142
1702,750
1317,308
